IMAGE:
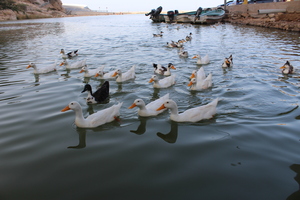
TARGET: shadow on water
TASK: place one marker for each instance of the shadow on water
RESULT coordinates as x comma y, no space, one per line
295,195
142,127
170,137
82,139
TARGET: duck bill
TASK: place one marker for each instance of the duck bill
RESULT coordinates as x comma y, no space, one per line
191,83
96,75
194,57
115,74
132,106
151,80
61,64
81,71
172,67
65,109
28,66
192,76
161,107
280,67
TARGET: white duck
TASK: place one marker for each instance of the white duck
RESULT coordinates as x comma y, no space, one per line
287,68
150,108
198,74
227,62
104,75
121,77
74,65
191,115
162,83
89,72
201,85
96,119
202,61
42,70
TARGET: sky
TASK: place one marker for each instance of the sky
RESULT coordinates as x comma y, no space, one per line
142,5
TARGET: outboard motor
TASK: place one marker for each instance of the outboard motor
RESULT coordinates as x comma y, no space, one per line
176,12
198,13
157,11
151,12
171,15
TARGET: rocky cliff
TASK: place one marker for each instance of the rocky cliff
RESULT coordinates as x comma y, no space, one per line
30,9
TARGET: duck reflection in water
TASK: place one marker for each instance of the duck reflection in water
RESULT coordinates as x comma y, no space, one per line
142,127
295,195
82,139
170,137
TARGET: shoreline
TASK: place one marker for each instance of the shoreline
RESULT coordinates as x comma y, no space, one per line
279,15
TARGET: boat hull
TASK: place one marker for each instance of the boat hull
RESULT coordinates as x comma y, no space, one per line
206,17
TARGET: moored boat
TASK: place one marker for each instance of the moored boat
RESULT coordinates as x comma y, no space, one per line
200,16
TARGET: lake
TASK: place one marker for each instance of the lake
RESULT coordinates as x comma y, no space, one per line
249,150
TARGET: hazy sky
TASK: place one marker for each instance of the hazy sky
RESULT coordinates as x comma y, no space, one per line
140,5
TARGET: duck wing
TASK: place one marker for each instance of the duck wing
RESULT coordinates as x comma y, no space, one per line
207,82
167,82
102,93
104,116
157,103
202,112
201,74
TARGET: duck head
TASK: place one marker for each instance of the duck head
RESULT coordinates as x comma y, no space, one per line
63,63
72,106
83,69
153,78
87,87
192,82
99,73
171,66
194,74
117,72
138,103
31,65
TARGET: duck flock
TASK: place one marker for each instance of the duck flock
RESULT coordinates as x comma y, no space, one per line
162,78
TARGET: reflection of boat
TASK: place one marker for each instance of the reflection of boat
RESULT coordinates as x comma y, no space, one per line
200,16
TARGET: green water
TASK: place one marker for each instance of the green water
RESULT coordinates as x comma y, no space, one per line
249,150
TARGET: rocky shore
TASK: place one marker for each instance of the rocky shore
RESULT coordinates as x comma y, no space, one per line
30,9
280,15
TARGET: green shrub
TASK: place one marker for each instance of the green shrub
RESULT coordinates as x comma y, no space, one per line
6,4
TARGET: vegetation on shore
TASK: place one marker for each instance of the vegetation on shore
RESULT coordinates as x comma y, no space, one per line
12,5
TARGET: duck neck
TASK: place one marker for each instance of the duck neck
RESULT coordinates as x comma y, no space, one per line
174,111
79,119
119,77
156,84
90,94
35,70
199,60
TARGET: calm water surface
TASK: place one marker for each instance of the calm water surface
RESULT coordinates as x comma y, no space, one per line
249,150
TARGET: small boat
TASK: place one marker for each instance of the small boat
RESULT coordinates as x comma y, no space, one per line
200,16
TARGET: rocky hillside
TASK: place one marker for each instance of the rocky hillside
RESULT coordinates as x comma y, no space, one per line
30,9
